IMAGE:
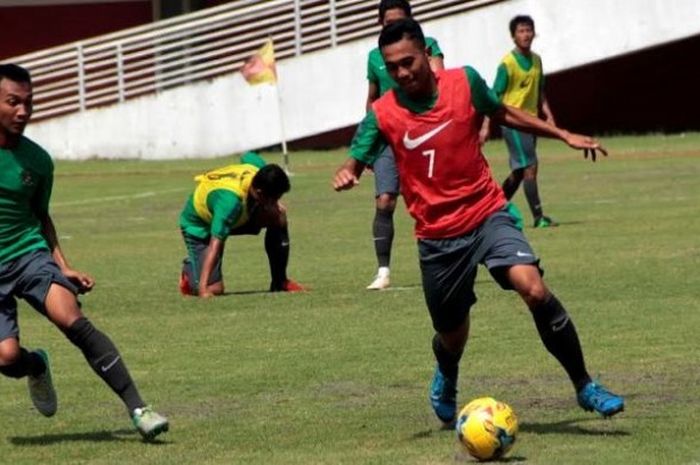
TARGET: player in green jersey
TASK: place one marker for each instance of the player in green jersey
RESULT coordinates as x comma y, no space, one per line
234,200
33,267
386,178
520,83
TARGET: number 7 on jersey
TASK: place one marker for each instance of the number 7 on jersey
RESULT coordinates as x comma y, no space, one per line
431,163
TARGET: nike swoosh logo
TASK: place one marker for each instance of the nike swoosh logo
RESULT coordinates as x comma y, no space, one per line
523,254
411,144
525,83
111,364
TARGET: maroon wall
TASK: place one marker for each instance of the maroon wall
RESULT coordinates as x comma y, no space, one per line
654,90
31,28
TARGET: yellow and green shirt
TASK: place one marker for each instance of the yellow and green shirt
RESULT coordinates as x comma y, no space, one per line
26,180
220,201
519,81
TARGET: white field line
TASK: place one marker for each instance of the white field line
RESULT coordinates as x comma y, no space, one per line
113,198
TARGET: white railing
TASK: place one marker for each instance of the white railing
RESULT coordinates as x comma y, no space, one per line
113,68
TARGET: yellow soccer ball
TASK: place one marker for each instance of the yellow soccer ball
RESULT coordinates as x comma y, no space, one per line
487,428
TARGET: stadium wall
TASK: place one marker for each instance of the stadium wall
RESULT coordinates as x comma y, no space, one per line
326,90
30,25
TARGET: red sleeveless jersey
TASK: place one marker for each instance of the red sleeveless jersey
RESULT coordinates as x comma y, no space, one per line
446,181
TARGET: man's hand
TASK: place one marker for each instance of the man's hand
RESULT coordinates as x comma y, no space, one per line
588,144
205,294
83,281
484,134
344,179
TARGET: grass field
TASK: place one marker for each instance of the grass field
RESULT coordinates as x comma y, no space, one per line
339,375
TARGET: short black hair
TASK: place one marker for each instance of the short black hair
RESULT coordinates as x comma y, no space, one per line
385,5
272,180
403,29
520,19
14,73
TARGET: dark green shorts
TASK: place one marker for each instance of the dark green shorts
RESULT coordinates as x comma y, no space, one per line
521,147
449,266
27,277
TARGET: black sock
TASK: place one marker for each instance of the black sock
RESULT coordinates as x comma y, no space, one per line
105,360
29,363
277,248
559,336
510,186
383,232
447,361
533,198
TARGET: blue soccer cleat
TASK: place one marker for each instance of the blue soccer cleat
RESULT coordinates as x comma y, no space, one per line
593,396
443,396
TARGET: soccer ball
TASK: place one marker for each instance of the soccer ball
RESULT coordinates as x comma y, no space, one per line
487,428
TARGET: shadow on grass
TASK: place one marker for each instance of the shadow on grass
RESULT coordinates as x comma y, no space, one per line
121,435
571,427
251,292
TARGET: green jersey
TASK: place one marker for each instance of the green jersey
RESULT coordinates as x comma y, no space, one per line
368,142
376,69
225,205
26,179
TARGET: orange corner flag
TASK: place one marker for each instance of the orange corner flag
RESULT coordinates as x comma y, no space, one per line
260,68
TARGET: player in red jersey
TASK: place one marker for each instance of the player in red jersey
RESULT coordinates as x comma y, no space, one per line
432,123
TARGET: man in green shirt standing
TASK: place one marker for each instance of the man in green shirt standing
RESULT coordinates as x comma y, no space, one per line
234,200
386,177
33,267
520,83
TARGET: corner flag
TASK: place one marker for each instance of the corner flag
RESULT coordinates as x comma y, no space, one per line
260,68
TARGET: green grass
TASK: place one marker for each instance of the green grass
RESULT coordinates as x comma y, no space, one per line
339,375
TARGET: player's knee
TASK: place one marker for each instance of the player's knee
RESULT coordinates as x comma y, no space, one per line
530,173
533,292
9,355
386,203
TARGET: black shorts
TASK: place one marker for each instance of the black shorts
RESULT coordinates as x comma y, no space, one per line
27,277
449,266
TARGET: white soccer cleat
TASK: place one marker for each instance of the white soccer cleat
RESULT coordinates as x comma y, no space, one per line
149,423
381,280
41,389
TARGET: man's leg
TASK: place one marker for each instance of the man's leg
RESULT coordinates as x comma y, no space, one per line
277,249
18,362
386,183
192,267
560,337
512,182
62,309
448,348
533,198
277,246
448,269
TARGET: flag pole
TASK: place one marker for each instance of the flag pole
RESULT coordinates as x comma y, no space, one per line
285,153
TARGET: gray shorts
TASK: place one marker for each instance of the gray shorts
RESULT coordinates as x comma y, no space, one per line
521,148
449,266
27,277
386,177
